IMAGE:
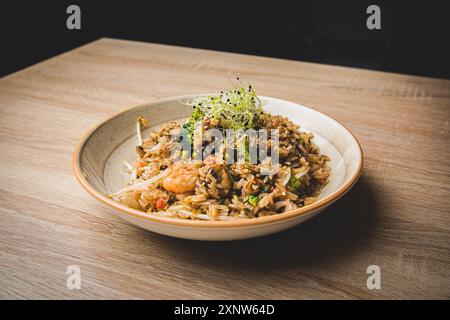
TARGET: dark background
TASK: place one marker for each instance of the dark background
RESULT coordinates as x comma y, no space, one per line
414,38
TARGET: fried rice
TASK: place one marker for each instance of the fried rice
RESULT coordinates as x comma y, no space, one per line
170,184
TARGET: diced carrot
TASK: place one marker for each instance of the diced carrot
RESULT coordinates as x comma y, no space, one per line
160,203
139,164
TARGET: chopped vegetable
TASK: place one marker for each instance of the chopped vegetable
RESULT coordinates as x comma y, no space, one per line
140,164
288,177
301,171
267,188
184,154
128,165
244,148
253,200
196,117
160,203
294,183
141,184
140,122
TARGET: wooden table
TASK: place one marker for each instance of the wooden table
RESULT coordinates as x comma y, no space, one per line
396,217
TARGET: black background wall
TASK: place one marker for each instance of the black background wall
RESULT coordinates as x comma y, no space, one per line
414,38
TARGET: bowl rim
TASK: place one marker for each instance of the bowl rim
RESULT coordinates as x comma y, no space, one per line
309,209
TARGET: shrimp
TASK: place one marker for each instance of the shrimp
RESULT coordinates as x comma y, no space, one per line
181,178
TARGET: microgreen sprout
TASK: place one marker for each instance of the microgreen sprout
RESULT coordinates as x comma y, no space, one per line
237,109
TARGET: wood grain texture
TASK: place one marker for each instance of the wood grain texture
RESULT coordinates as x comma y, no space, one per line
397,216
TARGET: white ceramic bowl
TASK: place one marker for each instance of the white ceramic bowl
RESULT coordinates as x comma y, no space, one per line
98,166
